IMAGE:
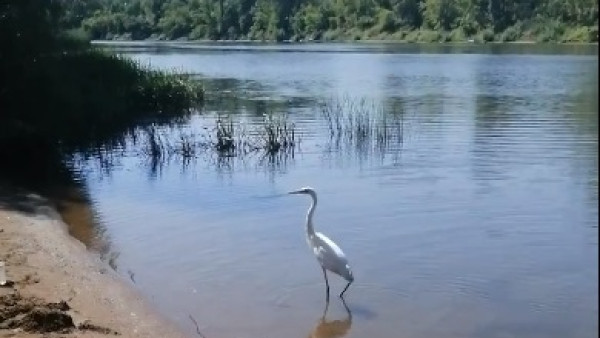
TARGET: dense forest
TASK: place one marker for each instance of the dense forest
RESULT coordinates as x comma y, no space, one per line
405,20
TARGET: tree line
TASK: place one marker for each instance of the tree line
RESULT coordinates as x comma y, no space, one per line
424,20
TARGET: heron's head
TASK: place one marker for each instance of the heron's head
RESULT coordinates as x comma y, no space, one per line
304,190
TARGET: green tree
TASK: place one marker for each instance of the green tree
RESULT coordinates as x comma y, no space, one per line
265,21
409,12
281,19
441,14
176,20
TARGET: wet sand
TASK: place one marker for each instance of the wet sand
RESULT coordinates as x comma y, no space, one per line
60,289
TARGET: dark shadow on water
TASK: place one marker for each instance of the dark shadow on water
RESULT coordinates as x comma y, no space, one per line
363,312
46,185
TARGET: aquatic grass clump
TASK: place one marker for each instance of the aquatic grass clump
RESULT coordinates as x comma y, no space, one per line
160,143
362,130
187,148
224,135
147,91
277,133
167,93
360,121
275,136
349,118
156,147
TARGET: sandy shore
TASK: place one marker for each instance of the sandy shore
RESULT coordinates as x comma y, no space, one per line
60,289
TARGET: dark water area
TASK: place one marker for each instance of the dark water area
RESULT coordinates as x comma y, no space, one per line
480,221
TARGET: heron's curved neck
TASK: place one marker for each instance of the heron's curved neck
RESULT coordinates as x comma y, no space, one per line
310,230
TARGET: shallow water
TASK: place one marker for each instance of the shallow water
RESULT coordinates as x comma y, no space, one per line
481,222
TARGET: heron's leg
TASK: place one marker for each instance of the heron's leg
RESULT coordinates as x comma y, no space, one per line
325,311
346,288
347,308
326,284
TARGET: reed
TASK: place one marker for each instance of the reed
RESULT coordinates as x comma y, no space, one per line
89,97
276,133
360,121
275,136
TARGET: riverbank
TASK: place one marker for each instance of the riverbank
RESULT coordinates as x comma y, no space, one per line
341,41
57,286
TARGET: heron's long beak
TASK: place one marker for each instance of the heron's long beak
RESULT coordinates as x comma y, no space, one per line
295,192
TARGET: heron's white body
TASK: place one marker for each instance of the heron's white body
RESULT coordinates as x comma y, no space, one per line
329,254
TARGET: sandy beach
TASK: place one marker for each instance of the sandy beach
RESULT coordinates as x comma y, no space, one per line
57,288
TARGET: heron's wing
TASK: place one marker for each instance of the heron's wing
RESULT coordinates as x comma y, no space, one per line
329,254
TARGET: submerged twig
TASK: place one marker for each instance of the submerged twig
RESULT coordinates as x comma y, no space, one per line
131,276
197,327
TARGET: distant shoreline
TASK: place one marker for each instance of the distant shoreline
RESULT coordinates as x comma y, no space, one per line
372,41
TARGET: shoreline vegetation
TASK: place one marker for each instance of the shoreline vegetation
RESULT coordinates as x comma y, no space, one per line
337,20
583,36
60,94
369,41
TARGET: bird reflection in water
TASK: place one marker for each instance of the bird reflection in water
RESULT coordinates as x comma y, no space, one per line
332,328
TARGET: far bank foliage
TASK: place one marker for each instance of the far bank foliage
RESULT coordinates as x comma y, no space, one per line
408,20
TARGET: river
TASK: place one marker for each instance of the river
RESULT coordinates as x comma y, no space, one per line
479,220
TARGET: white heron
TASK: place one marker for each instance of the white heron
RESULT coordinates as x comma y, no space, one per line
329,255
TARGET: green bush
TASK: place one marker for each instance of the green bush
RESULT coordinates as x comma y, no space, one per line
486,35
445,37
549,30
470,28
429,36
331,35
365,22
457,35
580,34
412,36
75,38
593,34
353,35
512,33
398,35
386,21
90,96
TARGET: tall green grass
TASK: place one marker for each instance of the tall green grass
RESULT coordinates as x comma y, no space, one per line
89,97
361,121
274,136
82,101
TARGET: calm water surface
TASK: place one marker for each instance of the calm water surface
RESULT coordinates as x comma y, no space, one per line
482,222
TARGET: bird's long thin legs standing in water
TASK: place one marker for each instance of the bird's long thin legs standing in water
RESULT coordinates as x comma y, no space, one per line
325,311
326,285
347,309
346,288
